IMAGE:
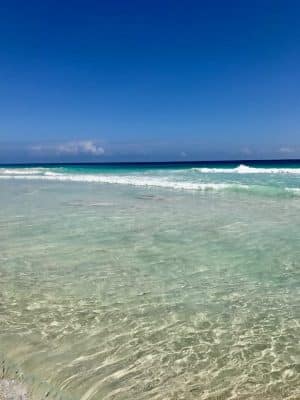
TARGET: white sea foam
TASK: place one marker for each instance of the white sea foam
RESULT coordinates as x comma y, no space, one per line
244,169
293,190
144,180
132,180
21,171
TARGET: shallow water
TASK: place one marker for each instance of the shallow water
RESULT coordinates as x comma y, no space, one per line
116,291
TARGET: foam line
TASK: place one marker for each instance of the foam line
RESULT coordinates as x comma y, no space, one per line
244,169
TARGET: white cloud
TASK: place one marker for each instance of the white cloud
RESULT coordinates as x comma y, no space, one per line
82,147
183,154
37,148
246,151
286,150
87,147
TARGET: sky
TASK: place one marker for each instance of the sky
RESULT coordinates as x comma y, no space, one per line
105,81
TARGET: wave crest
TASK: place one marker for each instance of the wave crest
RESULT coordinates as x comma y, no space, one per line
125,180
245,169
21,171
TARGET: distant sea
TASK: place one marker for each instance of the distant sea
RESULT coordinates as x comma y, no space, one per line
144,281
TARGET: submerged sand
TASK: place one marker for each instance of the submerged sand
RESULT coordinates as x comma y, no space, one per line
12,390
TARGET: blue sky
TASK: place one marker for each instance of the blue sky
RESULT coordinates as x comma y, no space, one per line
149,80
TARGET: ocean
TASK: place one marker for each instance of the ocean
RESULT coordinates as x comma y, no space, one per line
164,281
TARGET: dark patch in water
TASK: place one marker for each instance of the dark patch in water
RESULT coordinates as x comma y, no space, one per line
93,204
150,197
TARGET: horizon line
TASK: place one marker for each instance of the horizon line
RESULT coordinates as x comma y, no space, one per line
151,162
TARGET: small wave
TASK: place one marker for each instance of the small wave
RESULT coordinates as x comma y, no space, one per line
127,180
21,171
244,169
293,190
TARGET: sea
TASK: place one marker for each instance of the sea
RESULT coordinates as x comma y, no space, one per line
161,281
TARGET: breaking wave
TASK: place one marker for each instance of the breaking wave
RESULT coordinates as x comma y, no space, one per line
21,171
293,190
161,181
244,169
122,180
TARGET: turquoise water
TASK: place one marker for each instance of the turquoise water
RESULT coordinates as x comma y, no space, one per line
152,282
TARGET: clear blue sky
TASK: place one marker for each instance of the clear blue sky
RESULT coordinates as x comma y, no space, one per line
149,80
